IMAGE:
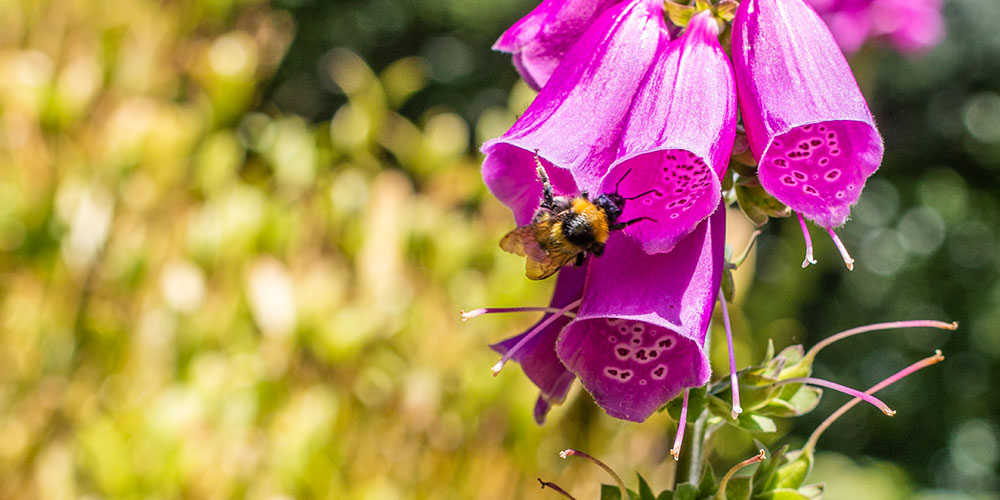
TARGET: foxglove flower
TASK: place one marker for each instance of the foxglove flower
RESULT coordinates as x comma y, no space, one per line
539,40
807,123
638,335
911,26
678,138
534,349
576,121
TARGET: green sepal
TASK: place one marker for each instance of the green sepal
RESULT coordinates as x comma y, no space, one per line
727,180
686,491
679,14
613,492
764,476
739,488
781,494
758,204
754,422
645,492
803,401
738,164
726,10
813,491
728,284
666,495
794,473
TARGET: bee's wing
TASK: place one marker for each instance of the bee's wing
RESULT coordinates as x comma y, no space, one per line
521,241
527,241
539,269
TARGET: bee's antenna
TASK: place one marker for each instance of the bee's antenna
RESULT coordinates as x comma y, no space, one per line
643,194
629,171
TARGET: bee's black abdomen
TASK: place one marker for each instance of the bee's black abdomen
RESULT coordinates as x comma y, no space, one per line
578,231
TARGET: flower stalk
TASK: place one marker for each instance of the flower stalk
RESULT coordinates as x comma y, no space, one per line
556,487
721,494
618,480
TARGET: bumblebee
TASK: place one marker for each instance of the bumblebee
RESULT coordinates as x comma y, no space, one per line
563,229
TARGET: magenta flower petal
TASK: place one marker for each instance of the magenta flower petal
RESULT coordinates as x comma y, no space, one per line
678,138
638,336
806,120
539,40
576,120
913,26
538,356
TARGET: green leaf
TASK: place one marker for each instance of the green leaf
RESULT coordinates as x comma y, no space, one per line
686,491
666,495
645,492
738,488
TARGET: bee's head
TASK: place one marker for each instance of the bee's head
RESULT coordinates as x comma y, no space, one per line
613,204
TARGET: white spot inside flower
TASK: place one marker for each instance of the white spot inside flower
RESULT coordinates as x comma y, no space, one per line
623,351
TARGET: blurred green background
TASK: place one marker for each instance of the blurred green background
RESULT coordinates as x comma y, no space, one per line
235,237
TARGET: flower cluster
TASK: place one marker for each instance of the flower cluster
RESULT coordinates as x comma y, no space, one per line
911,26
625,105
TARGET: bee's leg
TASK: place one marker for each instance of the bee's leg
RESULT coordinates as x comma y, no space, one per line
596,248
622,225
548,199
585,195
579,259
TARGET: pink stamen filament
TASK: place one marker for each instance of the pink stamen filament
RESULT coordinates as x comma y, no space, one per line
721,494
809,243
842,388
534,331
737,409
917,323
814,437
848,261
467,315
681,424
621,484
554,486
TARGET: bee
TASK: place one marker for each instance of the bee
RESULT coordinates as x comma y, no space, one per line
563,229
